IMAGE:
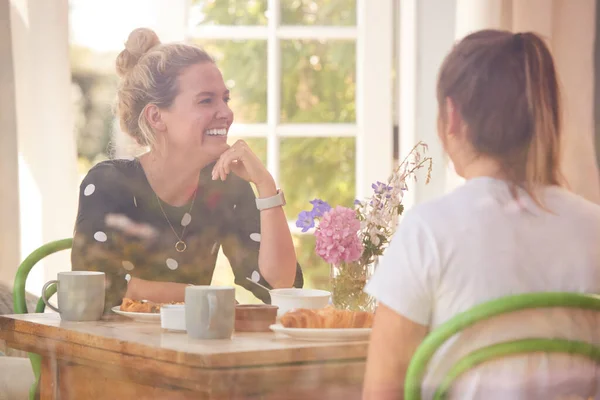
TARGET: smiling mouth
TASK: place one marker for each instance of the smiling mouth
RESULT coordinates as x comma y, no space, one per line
216,132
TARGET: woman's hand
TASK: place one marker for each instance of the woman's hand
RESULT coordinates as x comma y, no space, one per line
242,161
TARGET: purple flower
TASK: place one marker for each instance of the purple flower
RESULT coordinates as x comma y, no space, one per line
306,220
320,207
357,202
381,188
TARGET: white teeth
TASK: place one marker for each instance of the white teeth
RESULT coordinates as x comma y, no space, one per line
216,132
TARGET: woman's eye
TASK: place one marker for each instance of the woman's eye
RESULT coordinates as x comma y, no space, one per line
206,101
227,100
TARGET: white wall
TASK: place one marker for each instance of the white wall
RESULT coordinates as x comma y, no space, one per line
47,184
427,31
9,174
426,36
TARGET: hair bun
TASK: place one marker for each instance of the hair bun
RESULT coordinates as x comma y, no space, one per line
140,40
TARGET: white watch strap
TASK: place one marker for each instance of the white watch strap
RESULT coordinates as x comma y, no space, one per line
271,202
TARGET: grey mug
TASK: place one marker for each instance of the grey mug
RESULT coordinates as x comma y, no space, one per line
80,295
209,311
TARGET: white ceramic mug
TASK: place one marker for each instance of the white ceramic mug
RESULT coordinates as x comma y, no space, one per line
209,311
80,295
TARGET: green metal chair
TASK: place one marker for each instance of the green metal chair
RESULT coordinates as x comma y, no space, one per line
418,364
20,306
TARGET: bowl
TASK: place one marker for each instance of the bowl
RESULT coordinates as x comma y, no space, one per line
289,299
172,317
254,317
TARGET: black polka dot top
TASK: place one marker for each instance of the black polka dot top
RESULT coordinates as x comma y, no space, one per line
122,231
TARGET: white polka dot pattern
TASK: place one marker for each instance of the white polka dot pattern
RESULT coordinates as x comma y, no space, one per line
128,277
187,218
214,248
89,189
134,201
128,265
172,264
255,276
255,237
100,236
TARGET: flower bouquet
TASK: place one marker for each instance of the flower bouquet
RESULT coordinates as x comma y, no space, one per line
352,239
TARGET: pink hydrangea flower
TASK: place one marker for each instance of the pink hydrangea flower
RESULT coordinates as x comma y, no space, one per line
337,237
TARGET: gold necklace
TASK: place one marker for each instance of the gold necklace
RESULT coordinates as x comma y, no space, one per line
180,246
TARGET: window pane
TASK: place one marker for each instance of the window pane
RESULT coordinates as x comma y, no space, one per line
314,268
248,85
317,168
228,12
318,81
318,12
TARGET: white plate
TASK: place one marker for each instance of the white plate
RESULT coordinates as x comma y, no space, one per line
138,316
324,335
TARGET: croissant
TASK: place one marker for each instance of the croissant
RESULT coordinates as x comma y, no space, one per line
328,318
333,319
302,318
362,319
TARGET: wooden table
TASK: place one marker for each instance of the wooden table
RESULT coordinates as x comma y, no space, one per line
117,358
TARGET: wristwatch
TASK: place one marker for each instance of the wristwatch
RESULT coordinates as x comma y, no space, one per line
271,202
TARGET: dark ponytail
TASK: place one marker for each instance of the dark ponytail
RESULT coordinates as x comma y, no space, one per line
505,88
541,88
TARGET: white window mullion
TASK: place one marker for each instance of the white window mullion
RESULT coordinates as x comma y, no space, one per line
248,130
257,32
227,32
407,82
273,89
316,32
426,36
374,141
316,130
294,130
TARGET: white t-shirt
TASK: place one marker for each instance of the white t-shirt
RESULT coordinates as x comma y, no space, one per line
478,243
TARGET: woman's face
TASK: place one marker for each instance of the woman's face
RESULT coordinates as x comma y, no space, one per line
199,118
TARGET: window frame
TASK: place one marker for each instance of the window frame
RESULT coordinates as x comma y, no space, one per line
373,129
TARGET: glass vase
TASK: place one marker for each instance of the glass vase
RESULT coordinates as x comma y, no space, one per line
347,283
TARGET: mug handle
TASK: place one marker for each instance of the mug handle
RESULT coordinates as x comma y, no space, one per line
44,295
212,309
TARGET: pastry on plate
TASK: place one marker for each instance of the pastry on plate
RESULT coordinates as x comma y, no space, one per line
326,318
130,305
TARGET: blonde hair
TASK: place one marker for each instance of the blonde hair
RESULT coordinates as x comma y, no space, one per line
506,90
149,72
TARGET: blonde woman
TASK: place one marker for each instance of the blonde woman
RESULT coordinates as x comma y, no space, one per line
155,224
511,228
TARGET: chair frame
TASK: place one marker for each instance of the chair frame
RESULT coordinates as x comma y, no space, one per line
19,301
418,365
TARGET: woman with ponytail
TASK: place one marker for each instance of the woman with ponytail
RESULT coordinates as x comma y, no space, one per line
513,227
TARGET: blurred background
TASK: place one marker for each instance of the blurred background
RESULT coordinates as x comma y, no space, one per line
328,93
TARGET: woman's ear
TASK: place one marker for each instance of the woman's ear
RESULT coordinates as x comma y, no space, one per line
453,119
154,118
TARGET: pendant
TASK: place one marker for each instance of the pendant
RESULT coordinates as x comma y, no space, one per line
180,246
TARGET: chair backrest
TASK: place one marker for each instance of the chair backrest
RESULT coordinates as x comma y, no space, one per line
418,365
19,303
